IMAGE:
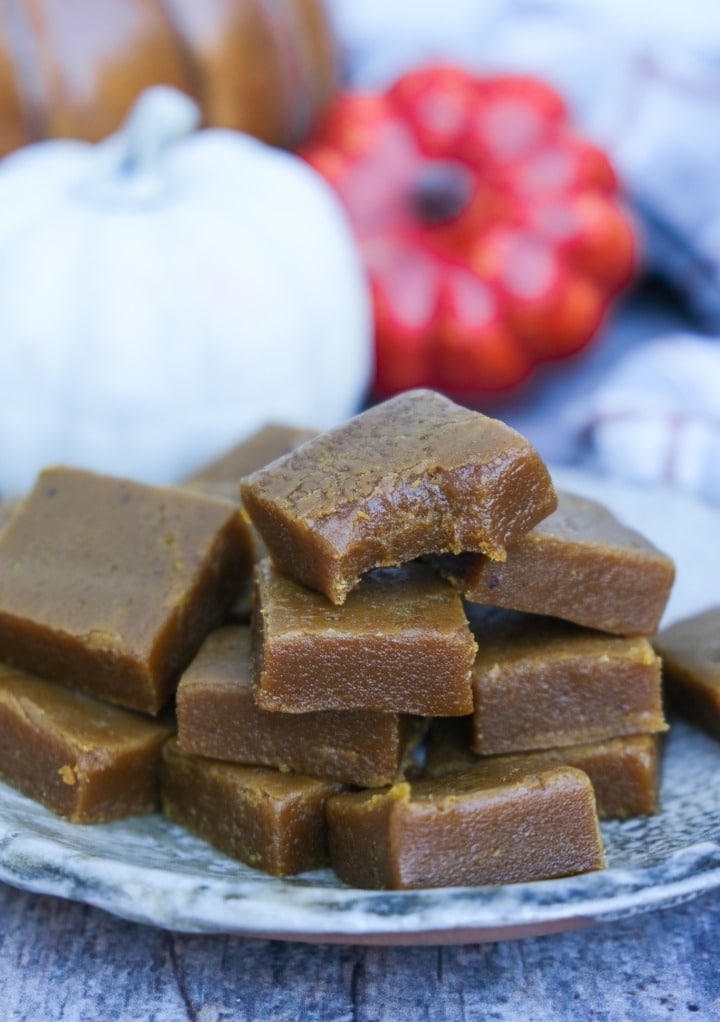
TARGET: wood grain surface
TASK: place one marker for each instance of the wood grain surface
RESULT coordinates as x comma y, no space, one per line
65,961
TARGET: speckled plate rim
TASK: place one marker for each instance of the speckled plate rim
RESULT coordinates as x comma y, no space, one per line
150,871
264,907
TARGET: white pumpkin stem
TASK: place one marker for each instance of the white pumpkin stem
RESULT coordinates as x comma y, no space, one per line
160,117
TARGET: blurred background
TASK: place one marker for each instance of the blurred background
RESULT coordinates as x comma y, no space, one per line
217,215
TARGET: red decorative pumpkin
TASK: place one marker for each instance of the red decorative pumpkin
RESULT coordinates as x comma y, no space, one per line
493,235
73,68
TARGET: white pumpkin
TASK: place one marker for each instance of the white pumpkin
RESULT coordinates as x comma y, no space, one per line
166,292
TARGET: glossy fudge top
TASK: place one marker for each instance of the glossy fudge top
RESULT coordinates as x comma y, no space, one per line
110,586
415,475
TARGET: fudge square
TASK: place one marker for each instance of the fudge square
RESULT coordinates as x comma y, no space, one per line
540,683
499,824
8,507
82,758
221,478
624,771
110,586
690,652
415,475
271,441
217,717
401,643
580,564
269,820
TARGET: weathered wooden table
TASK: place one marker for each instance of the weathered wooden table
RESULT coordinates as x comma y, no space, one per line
65,961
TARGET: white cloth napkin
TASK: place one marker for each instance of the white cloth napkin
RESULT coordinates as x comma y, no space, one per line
656,417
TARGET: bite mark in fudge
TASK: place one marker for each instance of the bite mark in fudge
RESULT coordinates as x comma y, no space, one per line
399,644
580,564
85,760
219,718
540,683
271,821
110,586
690,652
415,475
625,772
497,826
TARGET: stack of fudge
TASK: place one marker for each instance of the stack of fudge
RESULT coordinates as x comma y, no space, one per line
446,676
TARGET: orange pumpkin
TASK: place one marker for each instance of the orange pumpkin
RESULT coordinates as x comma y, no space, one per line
72,68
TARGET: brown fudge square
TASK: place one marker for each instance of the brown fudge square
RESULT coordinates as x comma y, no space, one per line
219,718
83,759
415,475
690,652
271,821
400,644
222,476
625,772
110,586
540,683
500,825
580,564
8,507
255,451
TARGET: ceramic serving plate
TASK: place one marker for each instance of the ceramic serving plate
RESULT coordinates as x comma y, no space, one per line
151,871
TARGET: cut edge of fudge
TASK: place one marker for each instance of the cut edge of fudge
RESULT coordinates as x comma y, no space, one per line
539,683
218,718
466,831
690,652
411,645
83,759
581,564
269,820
